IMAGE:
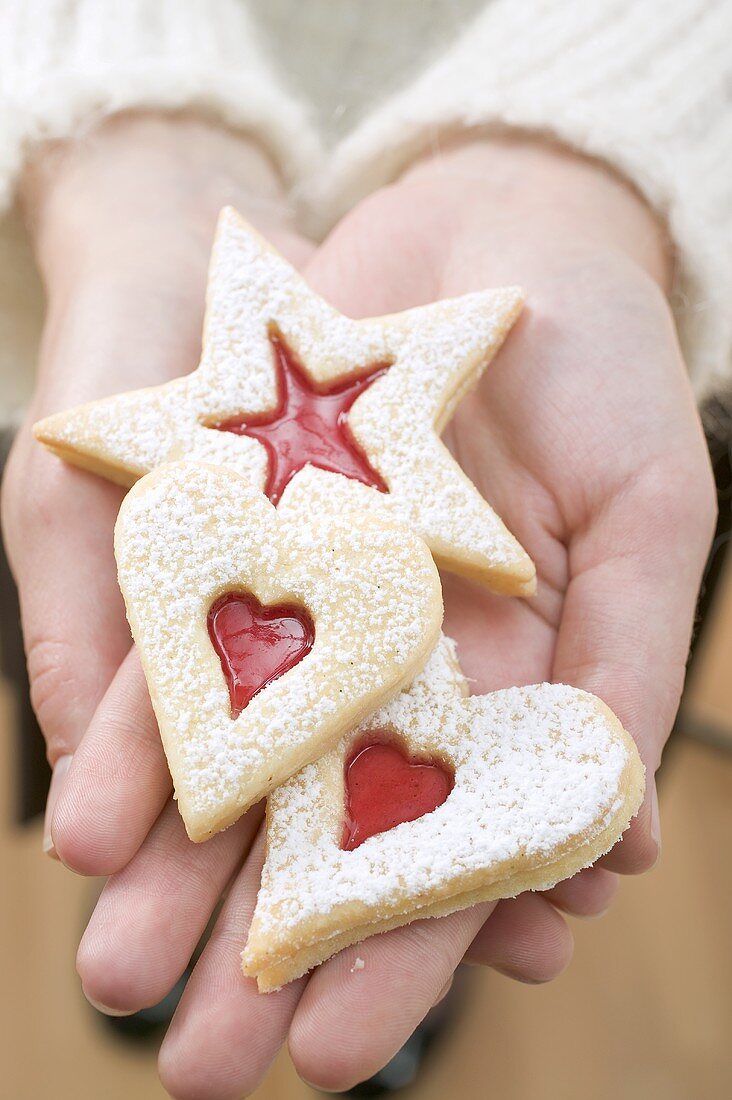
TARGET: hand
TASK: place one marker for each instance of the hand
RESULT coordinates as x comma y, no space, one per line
122,225
617,561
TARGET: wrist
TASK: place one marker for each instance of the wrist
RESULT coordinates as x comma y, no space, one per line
102,193
533,196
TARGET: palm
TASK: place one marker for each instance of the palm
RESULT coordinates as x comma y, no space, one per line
580,435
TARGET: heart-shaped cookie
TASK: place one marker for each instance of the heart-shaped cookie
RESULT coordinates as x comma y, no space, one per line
238,717
545,781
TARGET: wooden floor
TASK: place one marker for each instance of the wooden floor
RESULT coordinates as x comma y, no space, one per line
643,1013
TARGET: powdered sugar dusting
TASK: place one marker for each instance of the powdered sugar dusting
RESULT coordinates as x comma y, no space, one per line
188,533
436,351
536,769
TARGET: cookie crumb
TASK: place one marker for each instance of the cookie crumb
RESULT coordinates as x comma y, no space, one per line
359,964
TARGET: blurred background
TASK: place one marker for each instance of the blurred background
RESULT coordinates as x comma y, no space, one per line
643,1012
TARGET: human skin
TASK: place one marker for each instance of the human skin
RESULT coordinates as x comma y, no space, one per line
583,434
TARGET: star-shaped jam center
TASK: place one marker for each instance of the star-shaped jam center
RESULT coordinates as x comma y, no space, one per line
308,425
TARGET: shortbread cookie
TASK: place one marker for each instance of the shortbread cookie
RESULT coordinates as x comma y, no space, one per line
286,381
435,803
263,638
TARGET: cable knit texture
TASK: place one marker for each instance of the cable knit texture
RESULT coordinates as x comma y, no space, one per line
66,63
643,85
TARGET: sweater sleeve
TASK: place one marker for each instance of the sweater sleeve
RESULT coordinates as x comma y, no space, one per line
66,63
644,86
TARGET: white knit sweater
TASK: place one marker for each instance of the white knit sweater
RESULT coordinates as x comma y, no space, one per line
644,84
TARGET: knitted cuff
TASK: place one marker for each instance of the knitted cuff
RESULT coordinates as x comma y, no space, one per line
64,64
645,90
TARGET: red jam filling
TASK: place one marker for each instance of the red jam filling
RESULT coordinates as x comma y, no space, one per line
384,788
308,426
256,644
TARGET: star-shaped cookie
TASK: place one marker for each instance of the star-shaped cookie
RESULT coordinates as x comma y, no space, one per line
372,394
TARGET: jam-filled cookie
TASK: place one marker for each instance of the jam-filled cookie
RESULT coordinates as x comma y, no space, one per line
264,636
287,383
436,802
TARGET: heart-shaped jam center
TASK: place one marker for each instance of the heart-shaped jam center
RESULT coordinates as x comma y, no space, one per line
384,788
256,644
308,425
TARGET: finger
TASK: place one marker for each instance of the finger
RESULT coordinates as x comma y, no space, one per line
118,782
152,914
59,527
639,849
525,938
587,894
628,615
350,1021
225,1034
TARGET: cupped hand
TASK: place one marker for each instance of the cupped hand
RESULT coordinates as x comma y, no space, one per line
583,435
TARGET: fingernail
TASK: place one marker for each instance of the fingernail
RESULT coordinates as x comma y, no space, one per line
443,992
58,778
591,916
655,820
515,976
105,1009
